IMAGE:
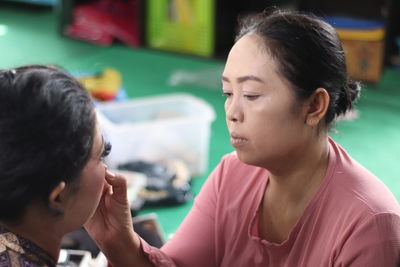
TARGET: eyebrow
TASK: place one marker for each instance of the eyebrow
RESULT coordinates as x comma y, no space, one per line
244,79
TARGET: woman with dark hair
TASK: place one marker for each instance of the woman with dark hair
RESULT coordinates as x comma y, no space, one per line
51,171
289,196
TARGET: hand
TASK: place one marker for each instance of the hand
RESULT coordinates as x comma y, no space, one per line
111,224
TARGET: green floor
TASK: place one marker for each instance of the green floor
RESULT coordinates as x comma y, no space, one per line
30,35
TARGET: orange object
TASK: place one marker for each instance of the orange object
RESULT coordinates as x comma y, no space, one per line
364,52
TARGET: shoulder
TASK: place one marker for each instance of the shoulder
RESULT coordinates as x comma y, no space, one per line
375,242
359,188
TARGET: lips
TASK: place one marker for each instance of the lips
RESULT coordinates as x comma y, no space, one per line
238,140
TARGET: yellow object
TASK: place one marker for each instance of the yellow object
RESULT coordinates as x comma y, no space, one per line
109,81
185,26
364,52
361,35
184,11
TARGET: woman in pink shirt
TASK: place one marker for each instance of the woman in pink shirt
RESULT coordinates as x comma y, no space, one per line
289,195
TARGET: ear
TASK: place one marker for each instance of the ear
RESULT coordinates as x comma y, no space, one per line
317,106
57,199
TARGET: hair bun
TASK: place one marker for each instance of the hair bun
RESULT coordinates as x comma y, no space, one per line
8,75
353,89
350,93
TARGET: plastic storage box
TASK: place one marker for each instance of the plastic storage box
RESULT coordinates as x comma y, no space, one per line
162,128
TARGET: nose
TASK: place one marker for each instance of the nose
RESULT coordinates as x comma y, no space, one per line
233,109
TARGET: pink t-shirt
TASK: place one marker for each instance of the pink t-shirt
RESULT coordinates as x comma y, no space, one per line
352,220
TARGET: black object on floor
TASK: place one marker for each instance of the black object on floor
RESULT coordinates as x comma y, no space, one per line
166,184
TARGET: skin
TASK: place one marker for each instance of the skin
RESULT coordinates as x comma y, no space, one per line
77,203
269,128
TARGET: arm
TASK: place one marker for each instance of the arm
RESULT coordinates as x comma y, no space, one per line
375,243
193,245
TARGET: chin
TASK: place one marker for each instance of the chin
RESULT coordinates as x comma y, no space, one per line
251,159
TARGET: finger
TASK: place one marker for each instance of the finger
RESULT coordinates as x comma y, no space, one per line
107,189
110,177
119,185
116,180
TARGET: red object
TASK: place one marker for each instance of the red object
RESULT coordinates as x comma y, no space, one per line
103,96
103,21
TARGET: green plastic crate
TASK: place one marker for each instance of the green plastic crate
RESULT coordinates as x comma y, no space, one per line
185,26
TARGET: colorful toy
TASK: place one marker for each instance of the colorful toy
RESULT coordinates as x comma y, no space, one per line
103,86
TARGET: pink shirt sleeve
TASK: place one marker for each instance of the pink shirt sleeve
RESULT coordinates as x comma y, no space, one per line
375,243
193,244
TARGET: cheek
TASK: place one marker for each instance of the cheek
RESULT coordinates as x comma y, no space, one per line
95,180
89,193
94,189
271,123
98,180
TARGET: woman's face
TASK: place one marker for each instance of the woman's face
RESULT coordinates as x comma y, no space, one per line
265,123
86,196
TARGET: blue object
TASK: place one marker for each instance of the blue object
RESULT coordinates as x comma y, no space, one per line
354,23
121,95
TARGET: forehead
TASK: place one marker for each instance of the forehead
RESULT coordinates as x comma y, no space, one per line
249,57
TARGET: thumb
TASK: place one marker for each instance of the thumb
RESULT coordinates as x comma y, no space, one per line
119,186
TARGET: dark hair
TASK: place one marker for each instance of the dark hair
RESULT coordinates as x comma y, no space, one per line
47,125
308,54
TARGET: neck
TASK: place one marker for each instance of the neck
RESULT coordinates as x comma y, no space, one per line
39,229
301,176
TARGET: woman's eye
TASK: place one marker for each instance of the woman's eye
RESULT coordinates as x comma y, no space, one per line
251,97
106,150
226,94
